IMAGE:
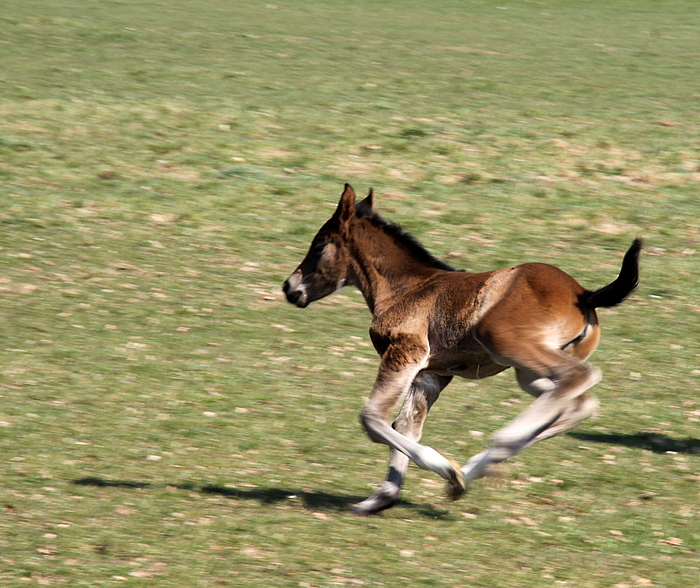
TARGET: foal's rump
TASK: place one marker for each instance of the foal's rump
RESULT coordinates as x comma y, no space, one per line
545,308
542,305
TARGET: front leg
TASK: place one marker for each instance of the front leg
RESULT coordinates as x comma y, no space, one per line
399,367
422,394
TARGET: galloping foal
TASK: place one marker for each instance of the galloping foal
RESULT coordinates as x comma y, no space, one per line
430,323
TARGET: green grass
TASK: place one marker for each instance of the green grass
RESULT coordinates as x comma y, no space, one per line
168,420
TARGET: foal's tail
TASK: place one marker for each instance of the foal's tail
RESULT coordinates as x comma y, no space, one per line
623,286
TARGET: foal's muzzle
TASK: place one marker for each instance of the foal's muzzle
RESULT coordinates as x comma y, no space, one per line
295,290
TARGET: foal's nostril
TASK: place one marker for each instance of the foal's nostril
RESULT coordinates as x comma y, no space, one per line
294,297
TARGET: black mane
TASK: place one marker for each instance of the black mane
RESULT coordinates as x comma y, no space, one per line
409,242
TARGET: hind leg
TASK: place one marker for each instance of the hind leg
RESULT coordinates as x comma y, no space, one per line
577,411
423,393
559,382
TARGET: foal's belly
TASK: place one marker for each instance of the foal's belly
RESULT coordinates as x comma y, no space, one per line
472,364
471,372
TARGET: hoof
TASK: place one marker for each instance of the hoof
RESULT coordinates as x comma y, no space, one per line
456,486
374,504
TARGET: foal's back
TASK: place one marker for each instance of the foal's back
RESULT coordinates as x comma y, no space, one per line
449,297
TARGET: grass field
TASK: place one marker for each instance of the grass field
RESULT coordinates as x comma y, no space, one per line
168,420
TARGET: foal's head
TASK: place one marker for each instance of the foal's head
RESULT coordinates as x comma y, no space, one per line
326,267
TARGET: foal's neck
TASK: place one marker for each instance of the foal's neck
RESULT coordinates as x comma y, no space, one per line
385,264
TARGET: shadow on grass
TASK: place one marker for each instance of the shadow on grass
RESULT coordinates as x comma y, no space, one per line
315,501
319,500
102,483
310,500
651,441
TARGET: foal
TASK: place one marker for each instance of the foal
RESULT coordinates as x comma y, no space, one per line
430,323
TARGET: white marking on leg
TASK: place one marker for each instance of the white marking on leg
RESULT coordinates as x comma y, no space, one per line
541,385
429,459
476,466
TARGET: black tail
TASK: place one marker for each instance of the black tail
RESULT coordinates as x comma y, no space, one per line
623,286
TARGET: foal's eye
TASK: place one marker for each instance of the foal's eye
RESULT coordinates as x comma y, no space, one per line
318,247
319,244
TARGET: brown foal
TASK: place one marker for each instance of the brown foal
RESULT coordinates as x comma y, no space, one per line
431,322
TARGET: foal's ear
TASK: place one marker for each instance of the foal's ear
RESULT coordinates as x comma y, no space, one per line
346,206
366,206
